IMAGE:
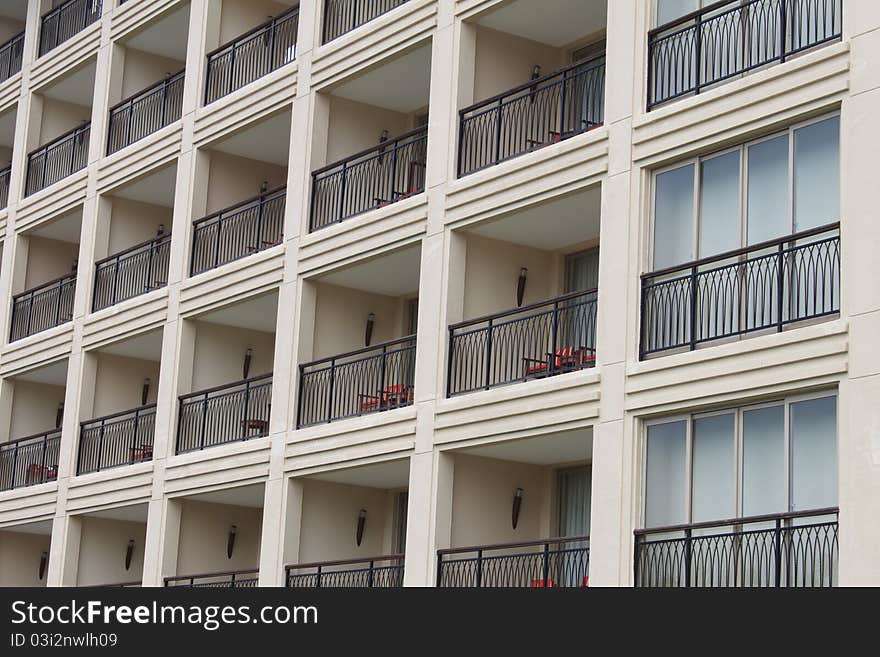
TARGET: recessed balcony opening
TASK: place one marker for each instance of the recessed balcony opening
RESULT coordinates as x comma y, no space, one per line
44,276
13,16
342,16
31,436
232,351
133,241
118,407
360,352
147,77
538,77
376,131
111,546
530,295
245,178
61,116
521,514
251,39
7,142
24,559
353,528
64,19
219,538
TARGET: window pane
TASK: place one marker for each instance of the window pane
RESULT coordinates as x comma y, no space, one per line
714,488
814,454
666,486
763,477
582,271
674,217
768,190
719,205
669,10
817,174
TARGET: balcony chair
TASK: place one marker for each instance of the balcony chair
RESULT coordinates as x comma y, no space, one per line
142,453
394,396
566,360
36,473
412,185
544,584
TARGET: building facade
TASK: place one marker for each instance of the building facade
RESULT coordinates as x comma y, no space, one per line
439,293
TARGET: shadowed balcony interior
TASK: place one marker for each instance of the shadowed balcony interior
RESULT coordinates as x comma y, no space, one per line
353,528
118,407
25,555
60,128
342,16
133,242
548,254
13,15
251,39
239,209
65,20
44,279
7,140
358,339
219,538
147,79
109,551
521,514
537,77
30,443
371,136
226,395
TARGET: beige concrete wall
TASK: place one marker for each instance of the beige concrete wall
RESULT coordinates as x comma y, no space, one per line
329,521
102,548
356,126
20,558
9,27
219,354
239,16
204,528
59,117
48,259
34,408
133,222
5,155
119,381
142,69
233,179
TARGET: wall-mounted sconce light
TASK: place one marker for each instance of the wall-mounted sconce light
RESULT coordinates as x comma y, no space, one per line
368,332
161,231
145,391
517,505
44,561
59,415
536,72
382,139
246,367
264,187
230,540
362,521
74,265
521,285
129,551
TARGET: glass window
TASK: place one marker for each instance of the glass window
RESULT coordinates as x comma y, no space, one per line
714,469
674,217
813,454
582,271
669,10
574,502
768,215
817,174
665,493
763,469
719,205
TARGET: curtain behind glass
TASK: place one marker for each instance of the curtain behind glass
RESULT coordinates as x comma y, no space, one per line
813,454
574,520
666,486
817,174
669,10
674,217
582,271
714,474
763,476
768,190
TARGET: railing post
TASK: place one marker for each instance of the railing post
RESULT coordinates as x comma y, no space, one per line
439,569
219,225
382,363
370,576
783,29
562,101
636,541
164,102
546,570
554,342
299,397
14,465
698,53
231,69
115,280
693,308
330,390
479,568
318,578
687,557
247,400
272,46
393,185
259,241
57,306
450,355
489,355
780,287
134,435
342,186
777,546
497,158
100,447
148,282
204,421
43,458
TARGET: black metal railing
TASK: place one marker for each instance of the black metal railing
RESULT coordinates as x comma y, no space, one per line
5,173
373,178
534,115
29,461
120,585
237,579
238,231
550,563
119,439
375,573
10,56
58,159
42,307
360,382
67,20
343,16
132,272
767,286
145,112
730,38
782,550
252,55
543,339
225,414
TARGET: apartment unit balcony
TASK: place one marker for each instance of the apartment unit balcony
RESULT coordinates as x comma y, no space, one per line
722,41
66,20
13,17
25,557
343,16
109,550
376,140
145,112
5,172
10,56
540,78
134,271
118,439
60,158
353,528
507,496
252,54
7,141
30,460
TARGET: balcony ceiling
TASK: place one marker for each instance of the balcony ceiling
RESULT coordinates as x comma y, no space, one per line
155,189
146,346
251,496
66,228
547,449
395,274
77,87
554,22
401,85
166,37
7,130
266,141
54,374
130,513
44,528
257,314
14,9
385,475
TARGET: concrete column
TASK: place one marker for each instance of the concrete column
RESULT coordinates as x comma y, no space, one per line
431,477
163,533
